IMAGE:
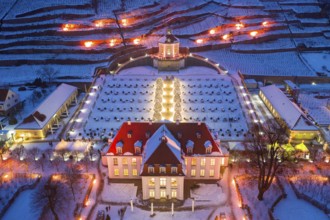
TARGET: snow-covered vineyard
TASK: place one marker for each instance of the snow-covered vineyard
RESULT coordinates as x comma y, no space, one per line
85,32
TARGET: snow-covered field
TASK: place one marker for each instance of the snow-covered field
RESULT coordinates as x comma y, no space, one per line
206,96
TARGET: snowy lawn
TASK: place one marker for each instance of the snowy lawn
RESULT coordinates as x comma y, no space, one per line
248,188
23,204
119,192
208,193
11,182
294,208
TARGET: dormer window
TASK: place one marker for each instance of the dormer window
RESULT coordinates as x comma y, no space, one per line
190,146
151,169
174,169
129,134
137,147
208,147
148,134
119,147
198,135
162,169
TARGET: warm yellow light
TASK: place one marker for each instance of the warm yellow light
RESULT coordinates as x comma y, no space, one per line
112,42
253,33
124,22
199,41
94,181
5,176
136,41
89,44
239,26
225,37
87,203
99,24
212,31
265,23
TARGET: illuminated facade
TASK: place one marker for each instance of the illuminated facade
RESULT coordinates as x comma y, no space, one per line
163,156
168,57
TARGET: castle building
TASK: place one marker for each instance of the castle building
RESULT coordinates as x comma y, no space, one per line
163,156
169,57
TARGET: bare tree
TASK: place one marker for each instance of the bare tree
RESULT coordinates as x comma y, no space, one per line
91,152
57,162
40,162
49,154
86,162
63,153
18,152
75,155
264,142
34,153
72,176
51,197
120,29
47,73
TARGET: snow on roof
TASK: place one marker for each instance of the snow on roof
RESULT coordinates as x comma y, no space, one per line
162,134
169,38
291,84
138,144
48,108
119,144
190,143
207,144
287,110
281,103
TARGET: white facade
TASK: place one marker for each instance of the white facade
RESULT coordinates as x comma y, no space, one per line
163,187
204,167
124,167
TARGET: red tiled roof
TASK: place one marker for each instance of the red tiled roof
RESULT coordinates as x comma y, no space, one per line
3,94
187,132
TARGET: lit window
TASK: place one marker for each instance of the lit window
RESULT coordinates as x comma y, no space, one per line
162,194
173,193
186,161
116,172
151,181
193,172
202,173
174,169
115,161
174,182
134,172
119,150
193,161
133,161
124,161
189,150
162,181
162,169
211,173
203,161
151,169
152,193
137,150
222,161
125,172
212,162
208,150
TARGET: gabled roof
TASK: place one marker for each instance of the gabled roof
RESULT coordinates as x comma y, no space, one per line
162,143
187,132
48,108
3,94
169,38
288,111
